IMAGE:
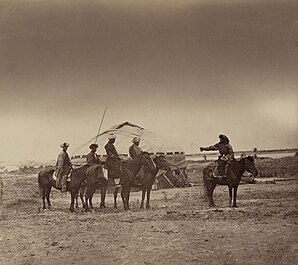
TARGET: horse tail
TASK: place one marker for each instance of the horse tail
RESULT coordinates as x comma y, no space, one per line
43,178
205,180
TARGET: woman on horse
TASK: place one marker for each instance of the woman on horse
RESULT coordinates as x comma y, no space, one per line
226,153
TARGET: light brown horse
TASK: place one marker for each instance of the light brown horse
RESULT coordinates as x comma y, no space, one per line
46,182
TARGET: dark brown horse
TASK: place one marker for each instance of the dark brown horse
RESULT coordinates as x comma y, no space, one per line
46,182
234,172
95,179
147,179
127,172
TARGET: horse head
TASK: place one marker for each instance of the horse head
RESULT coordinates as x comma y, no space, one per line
250,166
147,161
162,163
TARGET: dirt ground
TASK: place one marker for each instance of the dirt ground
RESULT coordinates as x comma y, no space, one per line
180,228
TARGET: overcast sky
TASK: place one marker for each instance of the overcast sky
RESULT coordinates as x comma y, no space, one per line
187,70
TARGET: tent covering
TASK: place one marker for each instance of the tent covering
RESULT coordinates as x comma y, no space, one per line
125,132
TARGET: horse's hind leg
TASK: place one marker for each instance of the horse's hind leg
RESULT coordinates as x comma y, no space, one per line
143,197
48,192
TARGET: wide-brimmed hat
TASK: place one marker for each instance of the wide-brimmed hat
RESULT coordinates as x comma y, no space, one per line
112,136
136,139
64,145
91,146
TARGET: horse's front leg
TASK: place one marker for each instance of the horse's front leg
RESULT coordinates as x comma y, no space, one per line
82,192
116,189
124,196
103,192
74,194
143,197
148,197
43,196
235,197
230,195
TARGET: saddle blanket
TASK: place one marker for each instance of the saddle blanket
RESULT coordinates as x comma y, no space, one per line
55,177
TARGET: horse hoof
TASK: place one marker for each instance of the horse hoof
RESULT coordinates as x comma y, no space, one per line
102,207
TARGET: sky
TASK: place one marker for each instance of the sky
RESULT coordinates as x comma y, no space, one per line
186,70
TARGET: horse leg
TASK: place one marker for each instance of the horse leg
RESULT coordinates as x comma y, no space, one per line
148,197
76,202
103,192
48,192
230,195
210,188
116,189
88,195
143,197
124,196
43,196
235,196
74,194
81,193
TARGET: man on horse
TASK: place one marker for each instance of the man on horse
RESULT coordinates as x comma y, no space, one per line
63,167
113,161
226,154
134,150
92,158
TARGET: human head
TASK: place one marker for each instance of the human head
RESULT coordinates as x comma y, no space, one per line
224,139
136,140
64,146
93,147
112,138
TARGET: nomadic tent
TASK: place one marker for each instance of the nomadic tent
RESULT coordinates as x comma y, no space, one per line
150,142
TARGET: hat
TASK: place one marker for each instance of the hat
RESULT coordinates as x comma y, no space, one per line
224,138
64,145
136,140
91,146
112,136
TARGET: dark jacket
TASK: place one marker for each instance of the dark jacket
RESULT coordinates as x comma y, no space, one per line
111,150
134,151
92,159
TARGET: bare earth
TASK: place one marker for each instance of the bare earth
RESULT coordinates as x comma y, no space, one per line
180,228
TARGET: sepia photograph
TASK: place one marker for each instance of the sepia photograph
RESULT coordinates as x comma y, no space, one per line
148,132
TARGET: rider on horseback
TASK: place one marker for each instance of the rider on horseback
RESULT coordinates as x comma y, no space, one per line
226,154
63,167
92,157
134,149
113,161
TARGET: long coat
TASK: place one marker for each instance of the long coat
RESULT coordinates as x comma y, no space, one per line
92,159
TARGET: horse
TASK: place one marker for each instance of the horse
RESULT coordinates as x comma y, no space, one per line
46,182
95,179
235,170
127,172
147,177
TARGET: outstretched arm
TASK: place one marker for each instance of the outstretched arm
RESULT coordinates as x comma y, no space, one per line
209,148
